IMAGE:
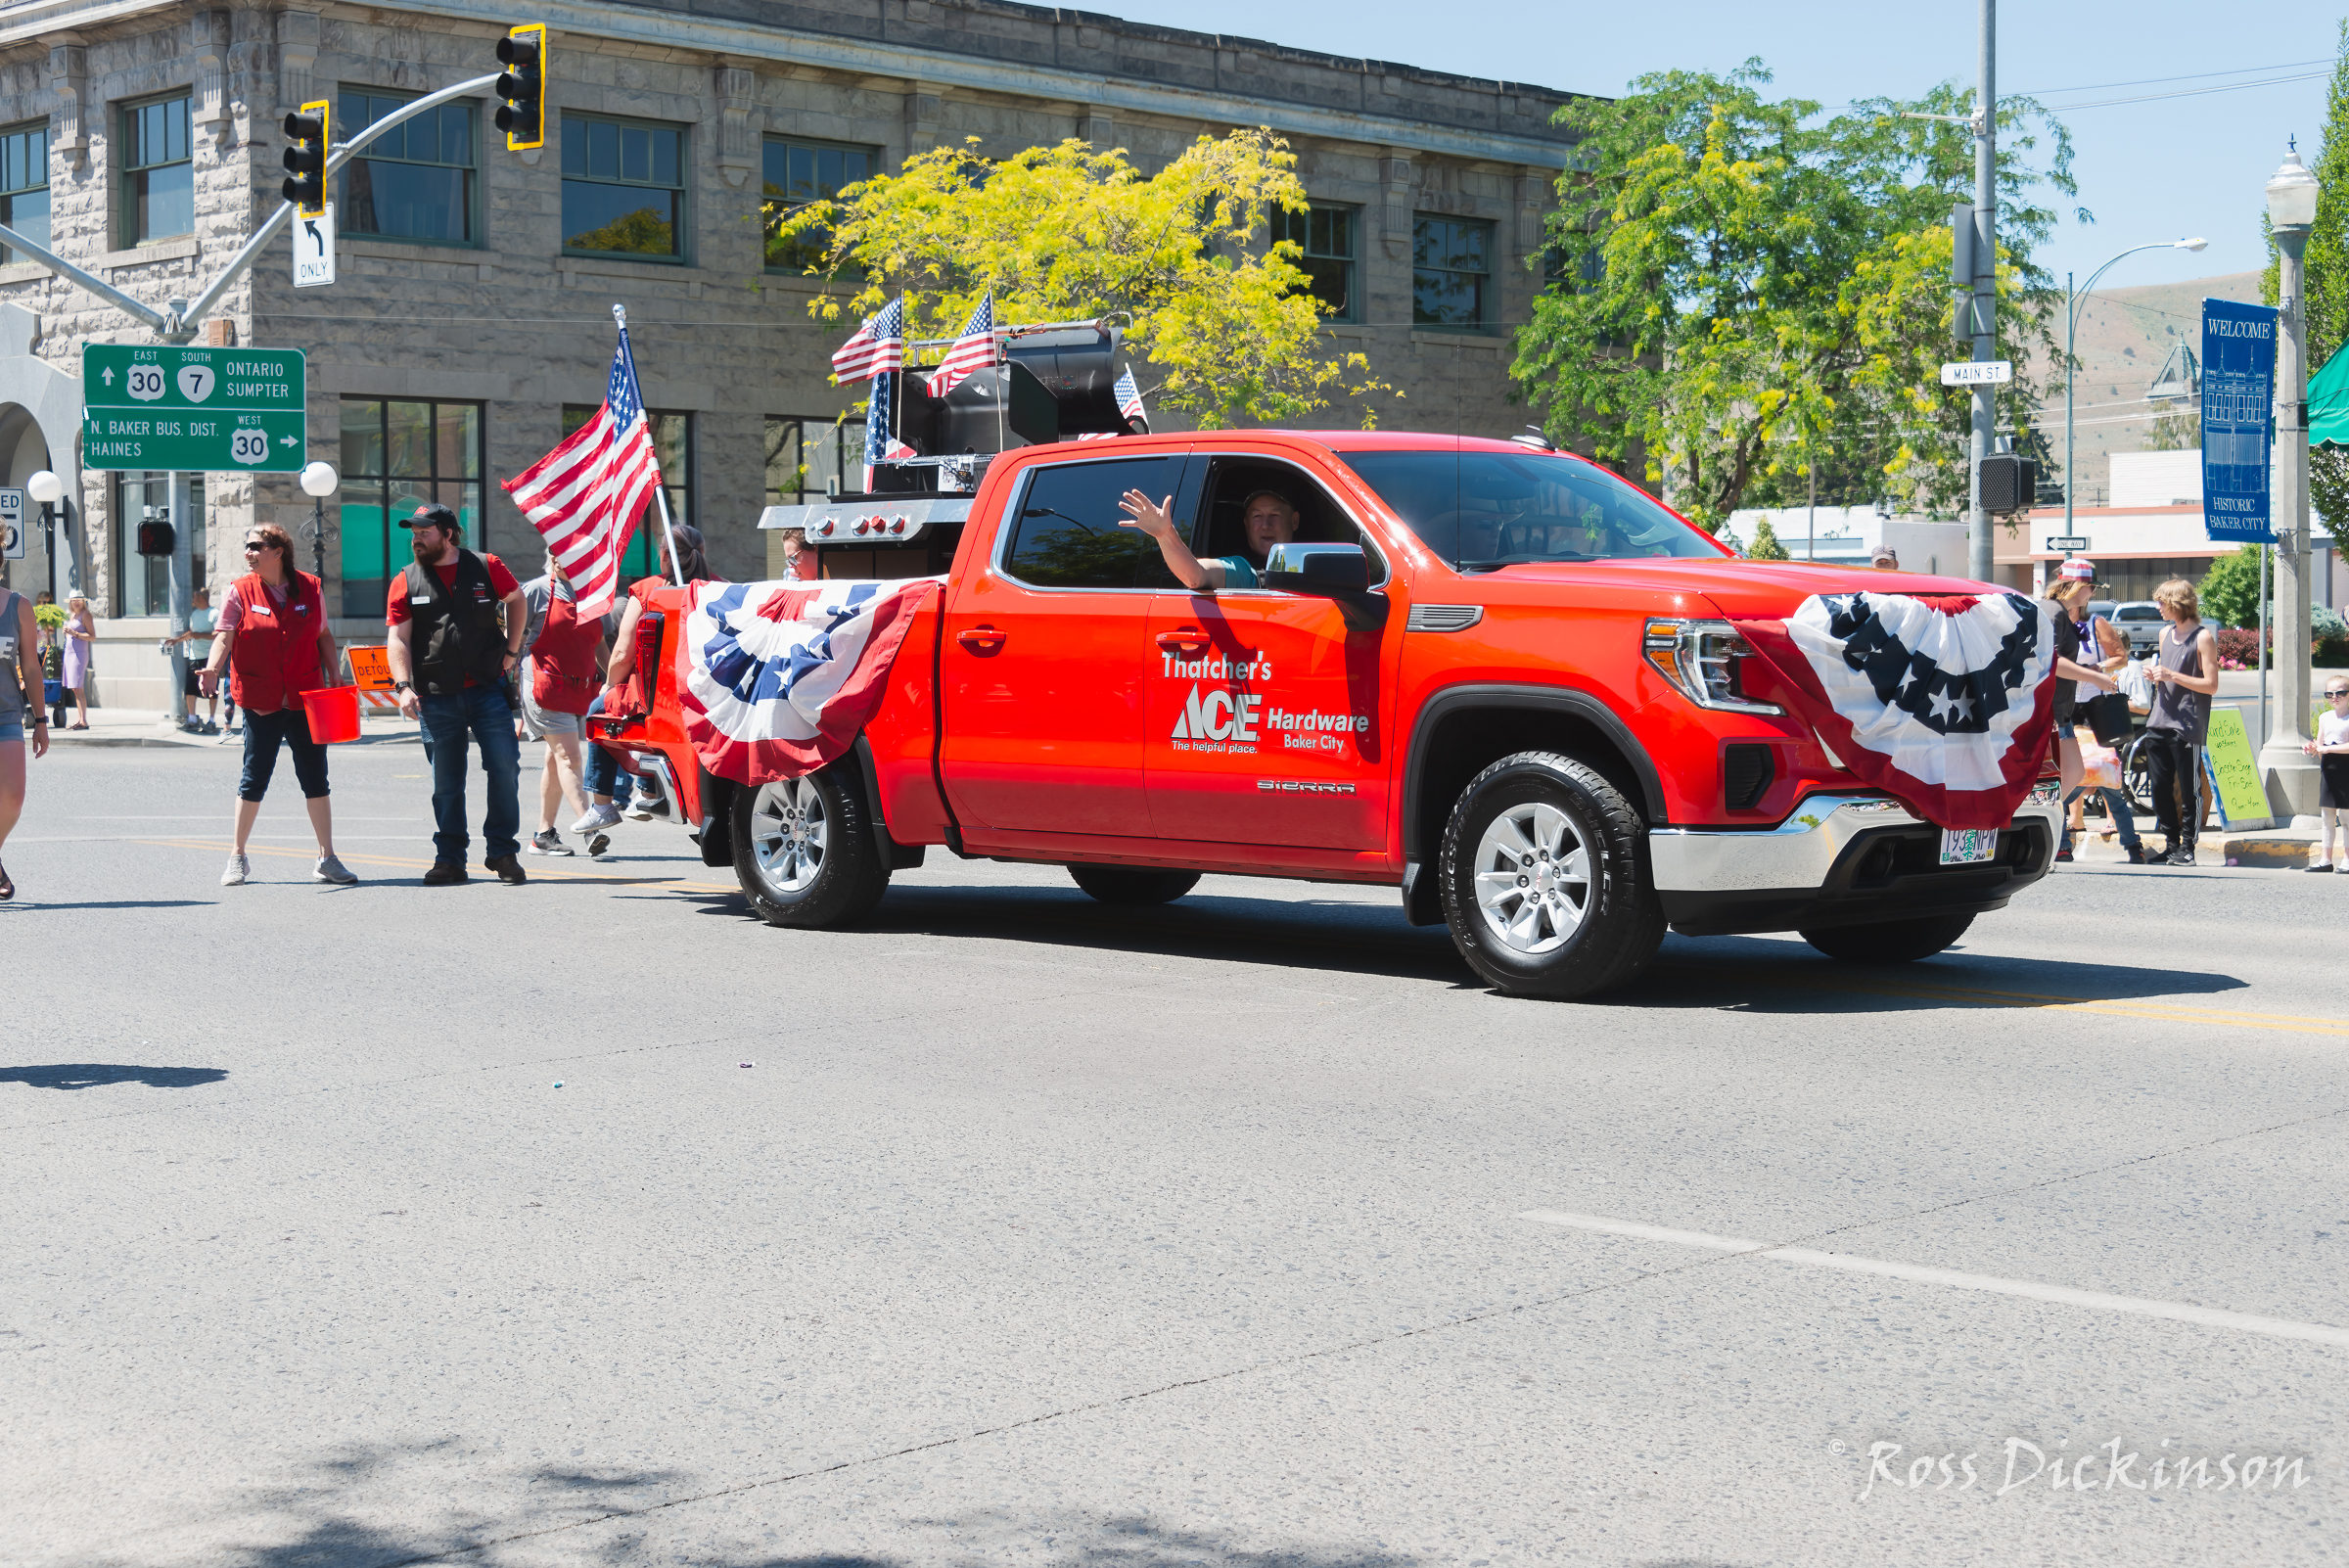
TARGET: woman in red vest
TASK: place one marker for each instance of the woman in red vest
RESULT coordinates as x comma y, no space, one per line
562,670
273,639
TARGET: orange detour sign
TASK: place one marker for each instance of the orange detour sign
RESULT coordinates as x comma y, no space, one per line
371,672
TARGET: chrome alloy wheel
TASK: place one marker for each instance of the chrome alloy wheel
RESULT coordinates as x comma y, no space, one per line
788,829
1533,877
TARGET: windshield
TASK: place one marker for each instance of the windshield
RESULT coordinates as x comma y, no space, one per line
1482,510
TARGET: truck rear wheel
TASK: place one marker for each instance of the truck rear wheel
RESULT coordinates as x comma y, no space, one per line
1900,941
1134,884
1545,880
803,850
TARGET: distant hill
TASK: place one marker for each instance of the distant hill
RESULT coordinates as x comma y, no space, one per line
2125,333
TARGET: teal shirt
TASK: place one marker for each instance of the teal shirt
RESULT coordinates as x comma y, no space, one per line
1238,571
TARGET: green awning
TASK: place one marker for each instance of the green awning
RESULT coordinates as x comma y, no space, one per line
2329,403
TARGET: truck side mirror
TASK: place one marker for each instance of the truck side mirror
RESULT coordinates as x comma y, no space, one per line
1338,572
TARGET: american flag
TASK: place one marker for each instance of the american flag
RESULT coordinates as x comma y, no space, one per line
585,495
975,350
879,345
881,444
1129,395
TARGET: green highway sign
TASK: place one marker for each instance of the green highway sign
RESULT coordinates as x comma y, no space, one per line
199,410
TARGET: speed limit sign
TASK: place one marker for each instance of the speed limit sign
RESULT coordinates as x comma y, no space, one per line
11,525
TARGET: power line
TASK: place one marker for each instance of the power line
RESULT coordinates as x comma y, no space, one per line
2186,92
2149,81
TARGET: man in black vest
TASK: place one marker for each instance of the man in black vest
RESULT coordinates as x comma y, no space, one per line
451,655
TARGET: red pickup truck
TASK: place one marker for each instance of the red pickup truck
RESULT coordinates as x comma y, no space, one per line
1488,674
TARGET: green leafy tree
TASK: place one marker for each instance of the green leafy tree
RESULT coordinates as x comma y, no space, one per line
2175,430
1747,289
2230,590
1075,233
1766,545
2325,302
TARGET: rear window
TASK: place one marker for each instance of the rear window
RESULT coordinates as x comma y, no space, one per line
1069,534
1484,510
2137,612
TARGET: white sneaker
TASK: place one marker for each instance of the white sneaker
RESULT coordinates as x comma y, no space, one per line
238,869
638,810
597,817
330,869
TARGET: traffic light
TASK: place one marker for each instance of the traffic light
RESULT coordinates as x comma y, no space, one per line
523,86
2009,482
305,157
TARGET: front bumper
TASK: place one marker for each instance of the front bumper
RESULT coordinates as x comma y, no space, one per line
1841,860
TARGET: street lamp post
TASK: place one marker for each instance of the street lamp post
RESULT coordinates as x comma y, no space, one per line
318,482
2071,370
48,489
2291,778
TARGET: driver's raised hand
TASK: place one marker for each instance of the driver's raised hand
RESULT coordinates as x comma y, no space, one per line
1151,517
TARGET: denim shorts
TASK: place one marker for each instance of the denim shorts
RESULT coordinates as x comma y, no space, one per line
12,730
2063,729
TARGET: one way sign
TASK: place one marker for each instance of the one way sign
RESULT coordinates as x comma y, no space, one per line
314,249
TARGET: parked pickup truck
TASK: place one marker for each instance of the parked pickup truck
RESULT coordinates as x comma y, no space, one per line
1489,675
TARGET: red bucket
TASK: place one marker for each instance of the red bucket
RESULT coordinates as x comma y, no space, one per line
334,712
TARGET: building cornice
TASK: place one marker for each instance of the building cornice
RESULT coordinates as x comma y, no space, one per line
39,20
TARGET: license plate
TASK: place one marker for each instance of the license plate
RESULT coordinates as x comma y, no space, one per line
1968,846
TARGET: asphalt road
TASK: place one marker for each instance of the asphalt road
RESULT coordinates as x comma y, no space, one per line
1040,1232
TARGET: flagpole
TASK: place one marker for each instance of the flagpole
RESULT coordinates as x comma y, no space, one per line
677,565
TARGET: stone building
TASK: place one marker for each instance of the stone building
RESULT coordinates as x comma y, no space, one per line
471,319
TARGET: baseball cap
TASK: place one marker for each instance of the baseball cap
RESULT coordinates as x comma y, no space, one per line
1884,556
433,516
2077,570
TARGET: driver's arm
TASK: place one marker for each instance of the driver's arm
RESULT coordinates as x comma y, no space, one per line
1152,518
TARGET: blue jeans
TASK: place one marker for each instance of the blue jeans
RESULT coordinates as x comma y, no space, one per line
600,774
483,712
2116,812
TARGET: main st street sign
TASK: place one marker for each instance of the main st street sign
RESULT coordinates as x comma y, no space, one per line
199,410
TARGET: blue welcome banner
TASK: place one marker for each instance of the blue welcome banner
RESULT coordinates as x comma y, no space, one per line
2238,404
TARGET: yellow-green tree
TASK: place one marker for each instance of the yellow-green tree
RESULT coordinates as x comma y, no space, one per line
1222,320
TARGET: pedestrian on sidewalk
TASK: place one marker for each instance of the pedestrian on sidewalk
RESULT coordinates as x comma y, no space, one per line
80,632
19,704
2185,677
2331,747
692,562
2068,594
273,639
201,625
2097,647
456,624
563,660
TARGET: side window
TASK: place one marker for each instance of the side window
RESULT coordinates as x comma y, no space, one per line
1320,520
1067,535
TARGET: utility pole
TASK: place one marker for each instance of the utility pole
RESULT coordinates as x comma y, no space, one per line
1978,542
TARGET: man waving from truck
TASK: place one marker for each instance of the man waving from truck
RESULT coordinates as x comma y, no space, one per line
1267,518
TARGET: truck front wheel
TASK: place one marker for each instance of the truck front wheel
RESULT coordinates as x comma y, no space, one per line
803,850
1544,879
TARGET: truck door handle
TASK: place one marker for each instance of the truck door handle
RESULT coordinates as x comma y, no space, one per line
1184,640
982,640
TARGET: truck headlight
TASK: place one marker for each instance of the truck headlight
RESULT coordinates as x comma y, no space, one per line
1701,659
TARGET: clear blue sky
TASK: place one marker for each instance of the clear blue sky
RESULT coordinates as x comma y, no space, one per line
2157,170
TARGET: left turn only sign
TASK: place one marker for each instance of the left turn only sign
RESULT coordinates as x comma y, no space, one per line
314,249
199,410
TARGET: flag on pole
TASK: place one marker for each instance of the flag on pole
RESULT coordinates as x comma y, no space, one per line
1129,395
975,350
880,444
879,345
585,495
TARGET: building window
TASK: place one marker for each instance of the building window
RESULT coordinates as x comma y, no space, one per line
416,181
143,582
399,455
796,173
1451,268
159,174
624,188
1326,235
25,184
672,444
803,457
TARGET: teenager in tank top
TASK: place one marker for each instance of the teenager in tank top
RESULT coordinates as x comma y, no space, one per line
2185,677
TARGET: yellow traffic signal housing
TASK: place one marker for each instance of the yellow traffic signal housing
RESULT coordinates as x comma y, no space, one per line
523,86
